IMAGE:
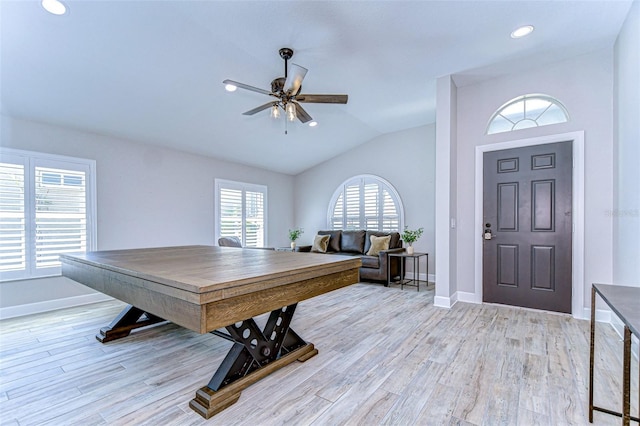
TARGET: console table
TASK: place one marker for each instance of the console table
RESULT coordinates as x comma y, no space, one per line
625,303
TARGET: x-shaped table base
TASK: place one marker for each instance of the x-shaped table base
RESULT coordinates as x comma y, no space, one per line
254,355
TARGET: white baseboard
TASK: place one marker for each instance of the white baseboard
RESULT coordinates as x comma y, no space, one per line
51,305
465,296
602,315
445,302
422,277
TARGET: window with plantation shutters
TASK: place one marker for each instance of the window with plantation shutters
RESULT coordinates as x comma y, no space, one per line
366,202
240,212
46,209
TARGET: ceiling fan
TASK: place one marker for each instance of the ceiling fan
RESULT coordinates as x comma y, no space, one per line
286,90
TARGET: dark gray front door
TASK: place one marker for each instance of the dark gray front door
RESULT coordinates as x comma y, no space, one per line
527,227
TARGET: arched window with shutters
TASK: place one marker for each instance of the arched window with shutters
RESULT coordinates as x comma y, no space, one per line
366,202
526,111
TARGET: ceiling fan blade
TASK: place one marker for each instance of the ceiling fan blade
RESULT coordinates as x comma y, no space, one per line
323,99
260,108
302,114
247,87
295,75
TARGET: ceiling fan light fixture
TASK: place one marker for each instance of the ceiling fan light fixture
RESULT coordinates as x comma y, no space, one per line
275,111
313,123
230,87
291,111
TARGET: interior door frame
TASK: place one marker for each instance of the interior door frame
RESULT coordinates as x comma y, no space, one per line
577,236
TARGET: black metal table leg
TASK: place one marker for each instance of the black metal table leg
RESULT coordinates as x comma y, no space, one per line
129,319
626,370
591,351
254,354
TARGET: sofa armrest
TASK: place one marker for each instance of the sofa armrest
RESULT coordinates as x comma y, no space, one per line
383,256
394,250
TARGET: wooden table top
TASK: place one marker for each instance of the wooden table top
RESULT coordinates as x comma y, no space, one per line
205,269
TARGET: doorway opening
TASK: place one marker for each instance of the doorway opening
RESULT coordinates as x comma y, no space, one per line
577,240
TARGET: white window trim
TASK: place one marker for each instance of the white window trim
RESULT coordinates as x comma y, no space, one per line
29,159
230,184
342,188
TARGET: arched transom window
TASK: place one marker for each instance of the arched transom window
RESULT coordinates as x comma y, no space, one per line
527,111
366,202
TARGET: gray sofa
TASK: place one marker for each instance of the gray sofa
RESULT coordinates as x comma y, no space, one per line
357,243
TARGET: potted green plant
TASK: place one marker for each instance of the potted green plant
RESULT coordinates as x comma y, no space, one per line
294,234
410,237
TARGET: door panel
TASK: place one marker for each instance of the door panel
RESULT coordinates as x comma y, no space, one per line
542,270
527,208
543,196
507,265
508,206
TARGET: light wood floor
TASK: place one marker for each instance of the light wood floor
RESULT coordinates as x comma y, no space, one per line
386,357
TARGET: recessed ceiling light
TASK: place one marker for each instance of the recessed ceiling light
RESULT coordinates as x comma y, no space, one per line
313,124
522,31
55,7
230,88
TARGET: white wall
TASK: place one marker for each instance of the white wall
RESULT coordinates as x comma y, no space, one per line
584,85
626,212
147,196
405,159
446,202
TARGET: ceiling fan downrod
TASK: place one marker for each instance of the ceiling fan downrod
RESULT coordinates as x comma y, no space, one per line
286,54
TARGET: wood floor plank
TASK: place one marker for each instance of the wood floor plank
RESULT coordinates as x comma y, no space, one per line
411,401
374,409
386,356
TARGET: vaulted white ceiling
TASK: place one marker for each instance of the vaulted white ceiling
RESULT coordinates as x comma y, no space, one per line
152,71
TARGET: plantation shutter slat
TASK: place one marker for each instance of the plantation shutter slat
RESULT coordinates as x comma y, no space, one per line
254,214
230,213
337,217
13,255
352,206
60,213
371,206
390,216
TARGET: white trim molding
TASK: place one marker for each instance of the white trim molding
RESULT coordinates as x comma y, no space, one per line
52,305
445,302
577,240
467,297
